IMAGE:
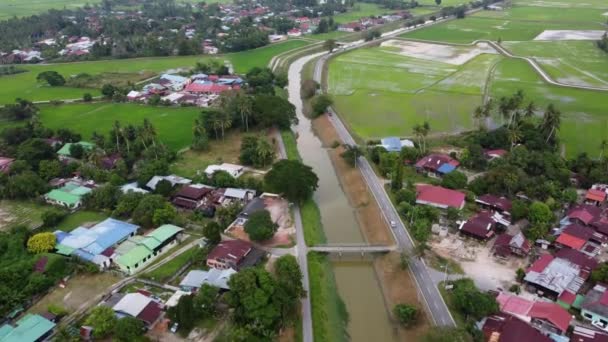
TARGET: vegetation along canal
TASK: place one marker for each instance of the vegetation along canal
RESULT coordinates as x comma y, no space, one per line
357,283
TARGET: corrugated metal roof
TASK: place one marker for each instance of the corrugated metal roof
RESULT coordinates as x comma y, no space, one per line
29,328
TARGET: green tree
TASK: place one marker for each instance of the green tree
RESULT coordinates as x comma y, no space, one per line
52,78
520,274
438,2
108,90
212,232
225,215
184,313
127,204
87,97
471,302
320,103
289,286
128,329
540,213
52,217
330,45
397,175
454,180
143,214
205,300
76,151
280,179
25,185
163,188
600,274
260,227
406,314
41,243
49,169
164,215
102,319
350,154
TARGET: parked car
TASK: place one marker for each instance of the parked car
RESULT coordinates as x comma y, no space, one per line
174,327
393,224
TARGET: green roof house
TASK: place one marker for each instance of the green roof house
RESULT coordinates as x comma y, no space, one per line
69,196
64,152
139,251
30,328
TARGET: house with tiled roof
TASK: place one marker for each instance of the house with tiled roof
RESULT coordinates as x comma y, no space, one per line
547,317
481,226
439,197
502,327
235,254
581,238
138,251
436,165
507,244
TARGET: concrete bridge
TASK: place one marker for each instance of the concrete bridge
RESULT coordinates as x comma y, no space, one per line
346,248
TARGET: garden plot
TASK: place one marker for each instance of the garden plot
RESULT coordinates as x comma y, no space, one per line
455,55
570,35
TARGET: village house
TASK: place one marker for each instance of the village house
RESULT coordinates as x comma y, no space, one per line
501,205
232,169
132,187
481,226
494,154
235,254
437,165
136,305
595,306
581,238
439,197
65,154
191,196
173,82
195,279
584,334
232,195
30,327
68,192
502,327
95,244
5,164
138,251
395,144
597,194
547,317
173,179
506,245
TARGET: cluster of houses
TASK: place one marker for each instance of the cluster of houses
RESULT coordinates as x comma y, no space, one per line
199,90
370,22
556,282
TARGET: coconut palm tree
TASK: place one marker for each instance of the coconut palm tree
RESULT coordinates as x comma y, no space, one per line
116,130
603,146
426,129
478,116
225,122
264,152
514,136
551,122
417,129
245,105
530,109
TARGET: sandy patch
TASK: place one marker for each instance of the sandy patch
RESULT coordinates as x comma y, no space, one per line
570,35
438,52
279,213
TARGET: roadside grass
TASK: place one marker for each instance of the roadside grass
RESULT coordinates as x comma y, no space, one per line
78,290
291,145
15,213
79,218
166,271
329,315
570,62
447,297
584,121
478,27
173,124
329,35
24,85
438,262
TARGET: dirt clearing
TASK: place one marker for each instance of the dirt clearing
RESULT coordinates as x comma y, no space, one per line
570,35
455,55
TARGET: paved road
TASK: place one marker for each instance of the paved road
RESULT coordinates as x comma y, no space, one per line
439,311
301,252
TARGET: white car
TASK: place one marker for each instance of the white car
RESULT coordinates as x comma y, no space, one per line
174,327
393,224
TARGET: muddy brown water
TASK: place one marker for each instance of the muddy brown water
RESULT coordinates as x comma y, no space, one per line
356,281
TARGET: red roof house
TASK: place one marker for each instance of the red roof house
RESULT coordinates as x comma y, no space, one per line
481,226
574,236
503,327
584,213
506,245
439,197
206,88
549,315
5,164
228,254
595,196
437,164
540,264
191,196
494,203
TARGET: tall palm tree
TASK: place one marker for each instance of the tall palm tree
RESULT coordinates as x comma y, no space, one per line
514,136
225,122
426,129
245,105
116,131
551,121
603,146
530,109
478,116
417,129
264,152
216,122
503,108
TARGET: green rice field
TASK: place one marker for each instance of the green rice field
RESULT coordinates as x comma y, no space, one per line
20,8
24,85
173,124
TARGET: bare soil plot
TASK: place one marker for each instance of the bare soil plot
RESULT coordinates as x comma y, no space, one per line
280,214
570,35
456,55
13,213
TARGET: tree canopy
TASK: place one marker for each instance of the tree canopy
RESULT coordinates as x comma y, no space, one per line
294,180
41,242
260,226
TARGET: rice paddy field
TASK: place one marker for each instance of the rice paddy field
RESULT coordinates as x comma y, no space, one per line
173,124
24,85
20,8
385,91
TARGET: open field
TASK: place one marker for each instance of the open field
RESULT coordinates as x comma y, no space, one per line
80,218
24,85
361,10
601,4
380,92
570,62
484,25
547,14
18,8
14,213
584,118
173,124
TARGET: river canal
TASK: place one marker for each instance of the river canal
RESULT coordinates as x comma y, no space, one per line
356,281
